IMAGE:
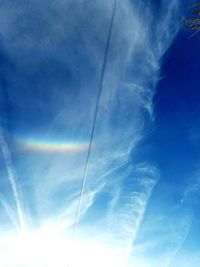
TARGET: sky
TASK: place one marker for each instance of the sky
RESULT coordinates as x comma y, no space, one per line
99,134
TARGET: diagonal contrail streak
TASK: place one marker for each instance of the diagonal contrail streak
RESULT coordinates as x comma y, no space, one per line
11,177
9,212
99,93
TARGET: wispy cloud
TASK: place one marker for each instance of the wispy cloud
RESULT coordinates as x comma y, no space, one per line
57,50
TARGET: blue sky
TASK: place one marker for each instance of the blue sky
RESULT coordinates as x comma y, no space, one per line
140,201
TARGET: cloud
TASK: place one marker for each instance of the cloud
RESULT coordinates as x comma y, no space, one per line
164,242
57,52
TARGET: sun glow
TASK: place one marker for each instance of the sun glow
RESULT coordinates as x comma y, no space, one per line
50,247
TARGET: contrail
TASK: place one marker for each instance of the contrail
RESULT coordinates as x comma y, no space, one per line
99,93
142,201
11,177
9,212
94,119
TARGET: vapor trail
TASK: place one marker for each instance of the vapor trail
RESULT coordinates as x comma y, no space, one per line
99,93
142,204
11,177
9,212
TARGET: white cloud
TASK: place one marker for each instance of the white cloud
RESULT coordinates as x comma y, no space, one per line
69,38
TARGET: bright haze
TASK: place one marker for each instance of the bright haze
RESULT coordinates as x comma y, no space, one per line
99,134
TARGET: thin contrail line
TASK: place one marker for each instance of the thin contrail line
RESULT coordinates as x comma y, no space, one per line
99,93
10,213
11,177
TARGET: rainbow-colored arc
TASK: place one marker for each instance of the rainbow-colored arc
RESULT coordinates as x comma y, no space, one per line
49,146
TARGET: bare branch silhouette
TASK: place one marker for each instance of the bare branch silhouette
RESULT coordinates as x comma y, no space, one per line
193,23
